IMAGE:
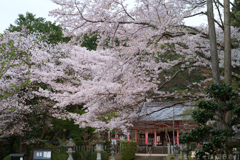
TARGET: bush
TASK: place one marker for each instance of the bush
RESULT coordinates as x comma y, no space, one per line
7,158
5,150
104,156
81,155
128,149
93,156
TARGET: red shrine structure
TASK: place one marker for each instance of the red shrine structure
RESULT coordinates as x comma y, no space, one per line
160,123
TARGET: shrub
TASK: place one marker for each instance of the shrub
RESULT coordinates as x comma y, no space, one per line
128,149
7,158
81,155
104,156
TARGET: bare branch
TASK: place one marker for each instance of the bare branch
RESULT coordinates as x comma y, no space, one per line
220,16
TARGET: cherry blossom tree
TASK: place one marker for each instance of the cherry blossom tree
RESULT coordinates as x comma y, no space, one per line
139,38
136,47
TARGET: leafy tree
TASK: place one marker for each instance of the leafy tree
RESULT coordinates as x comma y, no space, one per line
29,24
90,41
208,115
151,42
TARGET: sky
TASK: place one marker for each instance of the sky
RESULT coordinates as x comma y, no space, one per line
9,10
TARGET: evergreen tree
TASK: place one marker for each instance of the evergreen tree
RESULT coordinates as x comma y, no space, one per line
208,115
235,16
30,24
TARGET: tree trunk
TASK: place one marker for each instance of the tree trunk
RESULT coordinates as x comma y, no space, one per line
227,44
23,147
55,136
213,42
227,56
21,144
45,128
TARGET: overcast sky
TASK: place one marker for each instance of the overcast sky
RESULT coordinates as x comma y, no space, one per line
9,10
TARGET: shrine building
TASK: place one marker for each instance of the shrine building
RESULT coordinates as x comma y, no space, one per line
156,122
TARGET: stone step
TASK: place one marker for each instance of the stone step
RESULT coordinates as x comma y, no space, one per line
140,156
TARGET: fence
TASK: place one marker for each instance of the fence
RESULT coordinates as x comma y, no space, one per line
90,149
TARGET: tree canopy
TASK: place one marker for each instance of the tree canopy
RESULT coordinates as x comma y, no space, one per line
208,114
138,52
28,24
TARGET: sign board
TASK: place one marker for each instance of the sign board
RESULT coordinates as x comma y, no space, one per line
42,154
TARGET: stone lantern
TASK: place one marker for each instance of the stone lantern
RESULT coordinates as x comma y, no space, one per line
121,136
99,147
70,151
185,151
112,153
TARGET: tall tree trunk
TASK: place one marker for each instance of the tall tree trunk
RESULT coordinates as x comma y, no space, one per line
227,56
23,147
55,136
45,128
213,42
227,44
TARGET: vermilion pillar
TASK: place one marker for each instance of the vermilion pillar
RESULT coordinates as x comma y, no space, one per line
136,135
155,137
128,136
146,137
178,137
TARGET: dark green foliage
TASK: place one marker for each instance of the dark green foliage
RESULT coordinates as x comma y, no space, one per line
202,116
104,156
90,42
7,158
107,144
5,150
28,24
82,155
221,91
215,128
235,17
73,131
128,149
93,156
